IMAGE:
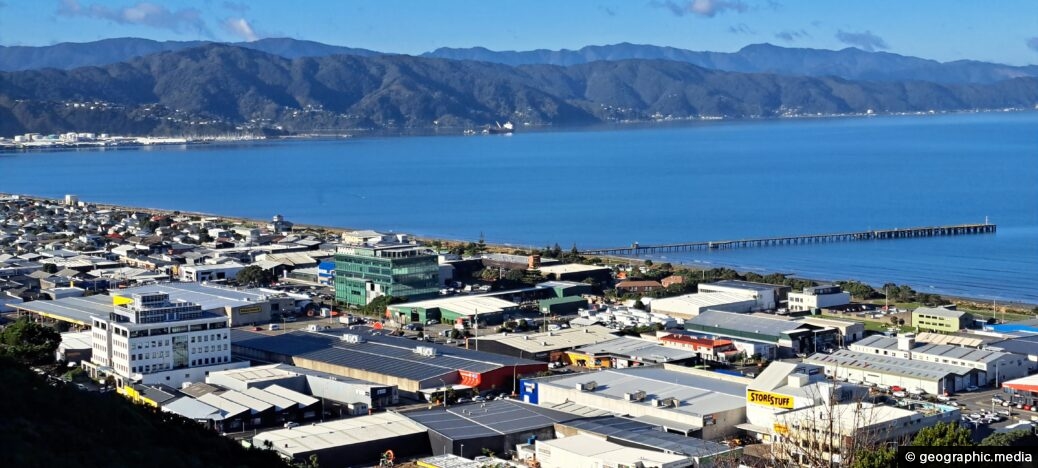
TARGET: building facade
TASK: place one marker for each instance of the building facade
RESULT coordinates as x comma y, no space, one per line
940,319
148,339
817,297
365,272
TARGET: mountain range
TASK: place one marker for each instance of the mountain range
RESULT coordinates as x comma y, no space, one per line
850,63
216,88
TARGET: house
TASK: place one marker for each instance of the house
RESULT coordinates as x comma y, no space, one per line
637,286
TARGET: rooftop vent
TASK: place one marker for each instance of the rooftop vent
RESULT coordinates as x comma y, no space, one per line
638,395
352,338
587,386
427,351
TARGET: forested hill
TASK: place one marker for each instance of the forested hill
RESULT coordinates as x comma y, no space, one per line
219,87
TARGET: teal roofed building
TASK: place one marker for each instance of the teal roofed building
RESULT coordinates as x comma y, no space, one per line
385,266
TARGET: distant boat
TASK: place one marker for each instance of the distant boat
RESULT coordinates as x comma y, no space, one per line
505,129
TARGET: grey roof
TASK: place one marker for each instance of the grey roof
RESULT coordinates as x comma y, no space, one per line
209,297
193,409
939,312
749,285
493,417
386,355
739,322
1027,345
639,349
886,364
646,435
953,352
198,389
76,309
698,394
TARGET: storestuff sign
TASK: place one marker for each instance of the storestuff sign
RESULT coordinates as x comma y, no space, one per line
774,400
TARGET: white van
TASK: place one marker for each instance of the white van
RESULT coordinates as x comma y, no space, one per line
274,326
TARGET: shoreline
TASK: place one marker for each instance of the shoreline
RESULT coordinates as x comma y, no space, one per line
503,248
434,131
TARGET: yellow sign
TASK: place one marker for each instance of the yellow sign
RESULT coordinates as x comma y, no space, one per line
780,428
119,300
774,400
253,309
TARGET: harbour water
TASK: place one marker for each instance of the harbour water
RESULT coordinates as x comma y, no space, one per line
611,187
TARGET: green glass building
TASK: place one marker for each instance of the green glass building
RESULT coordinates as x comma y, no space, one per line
364,272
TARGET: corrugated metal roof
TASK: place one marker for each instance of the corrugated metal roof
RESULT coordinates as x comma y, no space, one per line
478,419
886,364
381,354
647,435
636,348
343,432
714,319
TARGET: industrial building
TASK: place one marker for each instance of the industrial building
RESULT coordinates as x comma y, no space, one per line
486,309
766,296
547,347
348,442
627,352
940,319
220,272
687,401
1022,391
627,432
239,306
704,349
888,371
576,272
789,337
75,347
383,265
691,305
817,297
417,369
497,425
357,395
990,364
586,450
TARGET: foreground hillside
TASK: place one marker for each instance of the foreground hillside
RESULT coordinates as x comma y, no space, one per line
44,426
217,88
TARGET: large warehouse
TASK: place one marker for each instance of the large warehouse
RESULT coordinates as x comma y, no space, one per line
932,377
416,368
348,442
482,308
548,346
688,401
792,337
496,425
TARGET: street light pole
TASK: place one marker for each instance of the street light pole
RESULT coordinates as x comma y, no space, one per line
444,393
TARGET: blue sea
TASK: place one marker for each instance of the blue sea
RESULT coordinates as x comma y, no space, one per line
617,185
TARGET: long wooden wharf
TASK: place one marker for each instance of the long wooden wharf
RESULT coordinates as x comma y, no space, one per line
881,234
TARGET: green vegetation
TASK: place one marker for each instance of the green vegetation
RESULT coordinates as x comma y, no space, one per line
29,343
1020,438
254,275
44,426
875,457
943,435
377,307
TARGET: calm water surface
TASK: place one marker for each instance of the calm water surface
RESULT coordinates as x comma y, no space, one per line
612,187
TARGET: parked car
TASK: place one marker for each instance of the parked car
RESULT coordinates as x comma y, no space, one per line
972,388
997,399
943,398
432,322
900,394
290,425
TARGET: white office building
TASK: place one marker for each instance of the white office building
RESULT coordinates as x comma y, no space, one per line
149,339
817,297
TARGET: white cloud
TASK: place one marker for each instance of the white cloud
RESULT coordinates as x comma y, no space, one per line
703,8
240,28
142,13
862,40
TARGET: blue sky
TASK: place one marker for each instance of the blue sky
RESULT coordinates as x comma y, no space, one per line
1004,31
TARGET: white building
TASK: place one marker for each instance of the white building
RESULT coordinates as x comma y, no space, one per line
219,272
767,296
148,339
991,364
817,297
691,305
589,451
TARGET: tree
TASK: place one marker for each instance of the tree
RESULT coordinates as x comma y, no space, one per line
639,305
378,305
1020,438
50,268
29,342
875,457
943,435
253,274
